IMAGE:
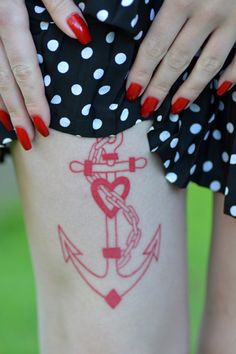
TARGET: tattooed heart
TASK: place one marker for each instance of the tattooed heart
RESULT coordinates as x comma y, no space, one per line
100,197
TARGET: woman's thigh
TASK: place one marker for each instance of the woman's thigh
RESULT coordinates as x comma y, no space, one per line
107,234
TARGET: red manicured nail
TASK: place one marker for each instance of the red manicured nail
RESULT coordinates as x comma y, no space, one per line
179,105
225,86
23,138
133,91
79,27
40,125
149,106
5,119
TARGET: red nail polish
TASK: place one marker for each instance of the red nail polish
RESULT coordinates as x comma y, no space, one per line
225,86
133,91
149,106
23,138
5,119
179,105
79,27
40,125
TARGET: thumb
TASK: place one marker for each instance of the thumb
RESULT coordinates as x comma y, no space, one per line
68,17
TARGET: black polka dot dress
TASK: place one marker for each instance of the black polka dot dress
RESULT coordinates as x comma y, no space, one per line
85,88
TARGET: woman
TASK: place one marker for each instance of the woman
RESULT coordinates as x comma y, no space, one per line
107,232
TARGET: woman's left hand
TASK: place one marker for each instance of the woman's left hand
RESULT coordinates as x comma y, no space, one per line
175,36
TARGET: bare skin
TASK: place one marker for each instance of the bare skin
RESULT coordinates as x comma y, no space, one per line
96,292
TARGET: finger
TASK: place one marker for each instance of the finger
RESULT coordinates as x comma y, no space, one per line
14,102
21,59
208,65
175,62
157,41
4,116
227,79
69,18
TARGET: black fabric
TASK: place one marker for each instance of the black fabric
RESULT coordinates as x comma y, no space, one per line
85,88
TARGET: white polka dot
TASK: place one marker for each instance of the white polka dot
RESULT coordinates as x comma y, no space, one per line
226,192
110,37
191,149
167,163
113,106
233,159
120,58
207,166
230,127
39,9
159,118
173,117
86,109
155,149
87,52
195,128
192,169
164,135
225,156
221,106
44,25
104,89
7,141
212,118
234,96
216,134
102,15
81,6
174,143
184,77
47,80
215,186
40,58
56,99
194,107
97,123
138,36
138,121
52,45
177,156
171,177
64,122
63,67
76,89
212,99
233,210
126,2
124,114
206,135
152,15
134,21
98,73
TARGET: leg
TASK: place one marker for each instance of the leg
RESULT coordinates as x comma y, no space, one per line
218,331
100,291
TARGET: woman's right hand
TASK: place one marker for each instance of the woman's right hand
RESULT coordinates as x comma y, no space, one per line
23,104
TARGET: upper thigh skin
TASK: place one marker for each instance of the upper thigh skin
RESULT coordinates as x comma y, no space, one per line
219,320
153,310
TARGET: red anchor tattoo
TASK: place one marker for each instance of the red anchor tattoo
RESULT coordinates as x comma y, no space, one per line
110,192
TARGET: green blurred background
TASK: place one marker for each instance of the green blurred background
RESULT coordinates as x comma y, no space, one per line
18,328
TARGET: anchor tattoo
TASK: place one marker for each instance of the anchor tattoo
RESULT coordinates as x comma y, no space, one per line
101,170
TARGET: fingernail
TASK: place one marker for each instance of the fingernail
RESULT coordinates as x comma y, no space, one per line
179,105
5,119
79,27
40,125
225,86
149,106
133,91
23,138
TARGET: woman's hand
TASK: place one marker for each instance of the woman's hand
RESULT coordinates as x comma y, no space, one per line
175,36
23,104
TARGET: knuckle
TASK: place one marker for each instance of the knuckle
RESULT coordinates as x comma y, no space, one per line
57,5
161,88
152,48
22,72
209,64
177,59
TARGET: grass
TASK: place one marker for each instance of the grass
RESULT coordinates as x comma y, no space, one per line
18,329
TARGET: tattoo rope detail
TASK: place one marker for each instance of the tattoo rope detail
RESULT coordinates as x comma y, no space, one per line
101,169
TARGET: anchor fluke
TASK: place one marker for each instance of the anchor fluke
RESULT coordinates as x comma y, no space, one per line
69,250
153,248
